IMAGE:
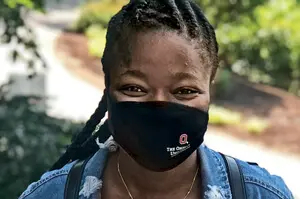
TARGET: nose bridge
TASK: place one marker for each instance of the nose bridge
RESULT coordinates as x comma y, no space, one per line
160,95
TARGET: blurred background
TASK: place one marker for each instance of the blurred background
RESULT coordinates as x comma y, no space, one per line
51,81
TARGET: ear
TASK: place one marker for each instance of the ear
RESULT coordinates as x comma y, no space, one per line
213,75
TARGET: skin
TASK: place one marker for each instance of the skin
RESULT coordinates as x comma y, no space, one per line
164,67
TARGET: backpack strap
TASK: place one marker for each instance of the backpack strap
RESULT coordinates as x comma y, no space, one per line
235,176
74,180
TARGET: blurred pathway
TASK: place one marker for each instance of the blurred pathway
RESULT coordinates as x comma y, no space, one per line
75,99
72,97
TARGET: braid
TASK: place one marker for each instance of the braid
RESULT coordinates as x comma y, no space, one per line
189,18
183,17
75,150
212,45
93,121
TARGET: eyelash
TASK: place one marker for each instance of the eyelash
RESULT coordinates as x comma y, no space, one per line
179,91
190,91
128,88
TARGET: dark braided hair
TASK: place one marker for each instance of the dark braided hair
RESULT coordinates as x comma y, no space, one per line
183,17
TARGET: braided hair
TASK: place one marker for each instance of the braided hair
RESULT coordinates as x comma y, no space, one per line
181,16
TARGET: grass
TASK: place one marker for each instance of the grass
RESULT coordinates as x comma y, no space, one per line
256,125
221,116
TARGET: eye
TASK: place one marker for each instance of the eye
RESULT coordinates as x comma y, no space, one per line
133,90
186,93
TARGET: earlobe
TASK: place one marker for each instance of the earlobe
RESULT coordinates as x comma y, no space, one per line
213,79
213,76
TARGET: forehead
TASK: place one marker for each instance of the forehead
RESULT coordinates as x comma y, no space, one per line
165,52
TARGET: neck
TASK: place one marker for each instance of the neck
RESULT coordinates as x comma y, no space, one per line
141,181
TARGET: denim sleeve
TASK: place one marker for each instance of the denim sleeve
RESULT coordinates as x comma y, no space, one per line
257,189
50,186
260,184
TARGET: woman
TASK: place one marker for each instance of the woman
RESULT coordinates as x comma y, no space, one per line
159,62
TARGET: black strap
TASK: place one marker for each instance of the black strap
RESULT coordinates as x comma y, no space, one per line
236,179
74,180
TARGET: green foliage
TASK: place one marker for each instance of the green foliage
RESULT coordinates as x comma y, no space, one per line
12,13
223,83
281,20
221,116
14,3
32,4
30,142
259,39
97,13
93,21
96,40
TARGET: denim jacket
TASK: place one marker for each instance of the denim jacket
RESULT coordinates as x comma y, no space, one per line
259,184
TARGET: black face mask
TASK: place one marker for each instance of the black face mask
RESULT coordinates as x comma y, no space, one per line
157,135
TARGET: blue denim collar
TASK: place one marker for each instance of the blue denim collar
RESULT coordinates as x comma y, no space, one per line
215,184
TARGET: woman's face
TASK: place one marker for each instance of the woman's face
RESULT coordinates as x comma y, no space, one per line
164,67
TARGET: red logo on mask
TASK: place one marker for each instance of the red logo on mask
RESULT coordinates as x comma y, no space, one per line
183,139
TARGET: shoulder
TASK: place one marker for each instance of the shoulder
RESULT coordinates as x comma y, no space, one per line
259,182
51,184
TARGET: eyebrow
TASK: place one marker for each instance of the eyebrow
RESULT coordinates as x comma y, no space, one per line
134,73
179,76
184,75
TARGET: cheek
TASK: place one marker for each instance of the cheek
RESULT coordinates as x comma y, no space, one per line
118,96
201,102
114,94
